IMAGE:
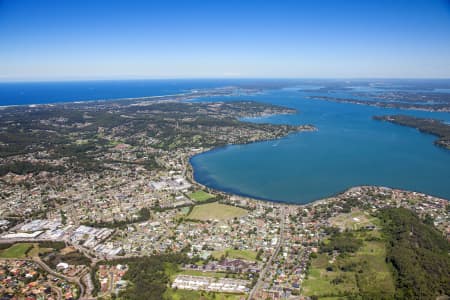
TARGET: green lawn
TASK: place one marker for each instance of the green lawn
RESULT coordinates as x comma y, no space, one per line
18,250
212,211
231,253
200,196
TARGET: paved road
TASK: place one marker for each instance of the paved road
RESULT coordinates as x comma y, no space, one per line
86,279
75,280
44,266
58,291
269,262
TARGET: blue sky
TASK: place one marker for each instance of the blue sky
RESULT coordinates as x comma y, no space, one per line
48,40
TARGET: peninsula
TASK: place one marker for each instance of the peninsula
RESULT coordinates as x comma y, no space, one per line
431,126
389,102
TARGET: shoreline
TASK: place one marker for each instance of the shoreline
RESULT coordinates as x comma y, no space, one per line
141,98
220,91
191,174
181,96
231,193
85,101
380,104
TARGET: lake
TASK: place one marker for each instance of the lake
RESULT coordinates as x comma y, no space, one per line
349,149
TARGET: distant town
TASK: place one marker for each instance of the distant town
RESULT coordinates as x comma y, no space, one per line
99,202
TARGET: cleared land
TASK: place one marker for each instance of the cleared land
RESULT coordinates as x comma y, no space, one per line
200,196
231,253
216,211
37,249
354,220
364,272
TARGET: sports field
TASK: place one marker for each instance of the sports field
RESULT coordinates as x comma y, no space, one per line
216,211
200,196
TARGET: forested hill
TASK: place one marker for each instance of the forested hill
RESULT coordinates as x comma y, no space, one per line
419,255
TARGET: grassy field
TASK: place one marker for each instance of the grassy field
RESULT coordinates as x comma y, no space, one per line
173,270
194,295
231,253
38,250
363,273
319,280
201,273
200,196
16,251
212,211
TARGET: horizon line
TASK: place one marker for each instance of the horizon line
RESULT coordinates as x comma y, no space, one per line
214,78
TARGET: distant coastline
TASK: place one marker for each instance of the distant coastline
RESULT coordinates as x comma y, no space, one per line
193,94
47,93
393,104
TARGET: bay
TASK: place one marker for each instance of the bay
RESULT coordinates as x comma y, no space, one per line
349,149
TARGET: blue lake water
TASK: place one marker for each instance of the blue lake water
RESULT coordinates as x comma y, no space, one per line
349,149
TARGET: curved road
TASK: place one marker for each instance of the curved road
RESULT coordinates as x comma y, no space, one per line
69,279
46,268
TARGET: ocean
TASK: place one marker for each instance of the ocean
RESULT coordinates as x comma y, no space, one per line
23,93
